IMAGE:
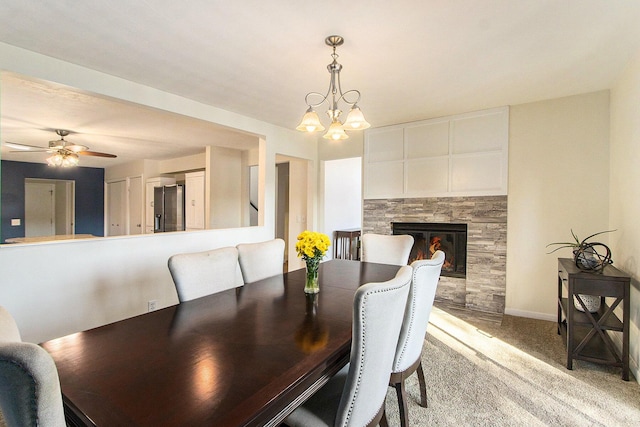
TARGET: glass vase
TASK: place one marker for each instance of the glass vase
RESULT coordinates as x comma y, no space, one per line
311,283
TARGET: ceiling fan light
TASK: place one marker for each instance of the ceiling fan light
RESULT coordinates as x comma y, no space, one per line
310,122
55,160
70,160
355,120
335,132
63,159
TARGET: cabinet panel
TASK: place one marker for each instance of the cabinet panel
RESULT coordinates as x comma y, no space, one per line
385,145
384,179
476,173
478,134
194,200
428,175
428,140
116,208
471,149
135,205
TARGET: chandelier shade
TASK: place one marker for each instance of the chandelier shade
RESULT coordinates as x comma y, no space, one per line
336,131
310,122
355,119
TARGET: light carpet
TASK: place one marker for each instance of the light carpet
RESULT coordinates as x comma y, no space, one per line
512,374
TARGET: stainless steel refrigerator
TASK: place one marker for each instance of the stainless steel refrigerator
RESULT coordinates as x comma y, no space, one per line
168,208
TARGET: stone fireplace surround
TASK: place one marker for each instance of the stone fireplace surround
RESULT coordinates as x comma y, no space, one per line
486,218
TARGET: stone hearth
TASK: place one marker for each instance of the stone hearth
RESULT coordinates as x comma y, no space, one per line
486,219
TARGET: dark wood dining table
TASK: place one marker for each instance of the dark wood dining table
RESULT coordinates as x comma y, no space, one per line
242,357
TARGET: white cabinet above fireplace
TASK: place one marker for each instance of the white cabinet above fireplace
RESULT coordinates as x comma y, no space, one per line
461,155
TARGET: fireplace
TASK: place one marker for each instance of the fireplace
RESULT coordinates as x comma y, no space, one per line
430,237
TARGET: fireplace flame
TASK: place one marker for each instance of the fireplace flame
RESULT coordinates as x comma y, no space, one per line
435,244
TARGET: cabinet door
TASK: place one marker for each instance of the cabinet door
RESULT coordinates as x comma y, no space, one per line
116,208
135,205
194,200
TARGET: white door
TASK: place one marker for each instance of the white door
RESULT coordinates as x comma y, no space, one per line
135,205
39,206
194,200
116,208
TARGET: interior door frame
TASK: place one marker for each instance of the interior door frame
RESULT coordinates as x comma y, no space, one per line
69,188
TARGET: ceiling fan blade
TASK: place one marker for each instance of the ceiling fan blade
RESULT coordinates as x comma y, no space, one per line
43,150
24,147
96,154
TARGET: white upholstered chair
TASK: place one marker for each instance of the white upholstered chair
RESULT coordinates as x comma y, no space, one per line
355,395
198,274
261,260
424,282
386,249
29,385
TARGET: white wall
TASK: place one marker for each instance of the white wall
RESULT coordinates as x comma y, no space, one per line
342,200
625,191
226,189
54,289
558,181
133,168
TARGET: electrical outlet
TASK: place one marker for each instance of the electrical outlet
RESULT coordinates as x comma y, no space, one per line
152,305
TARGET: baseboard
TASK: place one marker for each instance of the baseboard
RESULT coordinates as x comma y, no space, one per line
531,314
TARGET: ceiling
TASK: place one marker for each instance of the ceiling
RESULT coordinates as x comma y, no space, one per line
411,60
32,110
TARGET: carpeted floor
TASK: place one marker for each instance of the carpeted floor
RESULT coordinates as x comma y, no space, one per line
481,371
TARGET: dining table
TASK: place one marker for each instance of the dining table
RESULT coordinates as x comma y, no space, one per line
246,356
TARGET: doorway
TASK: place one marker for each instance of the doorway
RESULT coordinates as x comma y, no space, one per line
292,201
343,189
125,207
49,207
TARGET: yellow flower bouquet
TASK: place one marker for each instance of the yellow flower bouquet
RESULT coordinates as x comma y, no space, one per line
311,247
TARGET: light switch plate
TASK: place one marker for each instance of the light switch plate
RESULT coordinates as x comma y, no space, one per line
15,222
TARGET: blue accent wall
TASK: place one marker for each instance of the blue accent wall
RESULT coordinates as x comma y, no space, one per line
89,199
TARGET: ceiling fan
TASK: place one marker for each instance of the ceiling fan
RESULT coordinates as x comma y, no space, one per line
64,153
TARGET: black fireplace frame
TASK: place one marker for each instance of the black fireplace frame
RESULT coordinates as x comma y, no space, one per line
421,231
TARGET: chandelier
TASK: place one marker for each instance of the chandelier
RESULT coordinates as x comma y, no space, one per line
355,119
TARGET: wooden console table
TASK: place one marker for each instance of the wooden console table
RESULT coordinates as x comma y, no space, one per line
586,334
